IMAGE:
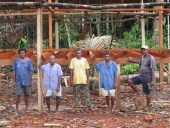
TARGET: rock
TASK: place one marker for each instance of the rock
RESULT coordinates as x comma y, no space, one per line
148,118
2,108
3,123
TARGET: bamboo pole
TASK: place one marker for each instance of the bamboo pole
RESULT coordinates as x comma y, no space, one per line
118,92
168,44
39,51
161,79
50,27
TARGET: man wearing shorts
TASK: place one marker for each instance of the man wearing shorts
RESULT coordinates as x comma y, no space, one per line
22,77
108,73
146,75
52,81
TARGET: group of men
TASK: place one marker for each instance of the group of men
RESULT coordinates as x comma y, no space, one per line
79,78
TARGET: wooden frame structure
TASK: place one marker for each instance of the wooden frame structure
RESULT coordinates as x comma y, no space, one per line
64,55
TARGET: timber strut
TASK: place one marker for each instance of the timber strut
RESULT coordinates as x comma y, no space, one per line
82,6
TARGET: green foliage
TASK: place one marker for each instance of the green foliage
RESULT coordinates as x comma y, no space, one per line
23,43
129,69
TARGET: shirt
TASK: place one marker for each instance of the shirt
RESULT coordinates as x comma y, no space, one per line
22,71
51,74
107,79
79,67
146,64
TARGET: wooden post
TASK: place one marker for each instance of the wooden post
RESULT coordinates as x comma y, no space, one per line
0,82
50,28
143,26
56,33
39,51
161,78
118,92
98,76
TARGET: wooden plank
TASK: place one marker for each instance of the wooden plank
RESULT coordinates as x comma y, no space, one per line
39,51
118,90
0,82
161,78
50,27
100,90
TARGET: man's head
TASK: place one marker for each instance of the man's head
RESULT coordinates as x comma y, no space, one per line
52,59
78,53
22,52
144,50
107,56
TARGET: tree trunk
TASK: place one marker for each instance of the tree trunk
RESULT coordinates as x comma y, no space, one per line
68,33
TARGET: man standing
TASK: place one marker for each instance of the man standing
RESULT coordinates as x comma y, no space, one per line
52,80
108,73
79,76
22,77
146,75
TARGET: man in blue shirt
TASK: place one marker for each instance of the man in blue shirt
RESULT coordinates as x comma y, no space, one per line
108,73
52,80
22,77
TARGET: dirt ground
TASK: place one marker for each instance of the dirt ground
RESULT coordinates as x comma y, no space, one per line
100,117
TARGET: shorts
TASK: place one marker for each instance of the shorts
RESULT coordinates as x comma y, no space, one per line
108,92
146,86
26,90
53,93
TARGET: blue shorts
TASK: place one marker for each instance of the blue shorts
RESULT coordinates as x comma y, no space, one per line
146,86
26,90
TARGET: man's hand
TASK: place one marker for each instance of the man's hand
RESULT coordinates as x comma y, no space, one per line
130,59
152,83
114,87
58,89
88,81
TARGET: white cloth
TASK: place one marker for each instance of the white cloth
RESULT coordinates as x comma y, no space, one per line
111,93
52,93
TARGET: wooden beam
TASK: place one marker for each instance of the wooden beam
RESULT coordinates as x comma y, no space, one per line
118,92
161,78
82,6
50,27
39,51
100,90
56,32
0,82
143,26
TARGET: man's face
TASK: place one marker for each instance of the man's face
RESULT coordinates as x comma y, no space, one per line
144,51
107,58
52,60
78,54
22,54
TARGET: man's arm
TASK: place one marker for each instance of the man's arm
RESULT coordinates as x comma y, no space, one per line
132,60
31,77
152,77
71,77
115,78
87,74
59,82
41,63
14,78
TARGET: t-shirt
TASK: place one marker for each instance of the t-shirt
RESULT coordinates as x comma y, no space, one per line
107,79
79,67
22,71
51,74
146,64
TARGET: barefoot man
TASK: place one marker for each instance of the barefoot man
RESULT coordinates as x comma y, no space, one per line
22,74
